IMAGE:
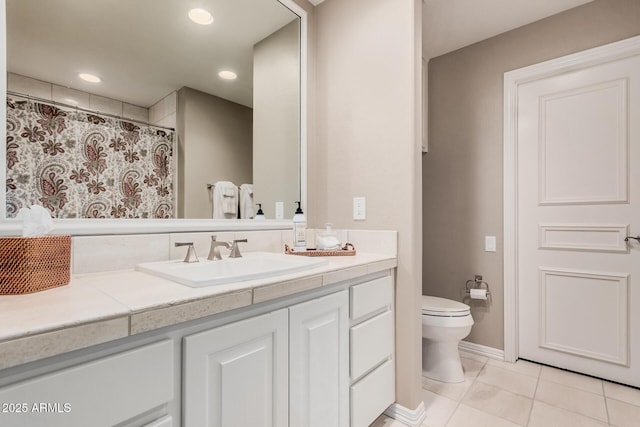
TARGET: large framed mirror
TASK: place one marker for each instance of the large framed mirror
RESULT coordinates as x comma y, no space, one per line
160,140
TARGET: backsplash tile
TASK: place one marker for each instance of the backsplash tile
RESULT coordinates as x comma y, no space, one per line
107,253
261,241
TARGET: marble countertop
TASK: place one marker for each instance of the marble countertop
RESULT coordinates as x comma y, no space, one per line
100,307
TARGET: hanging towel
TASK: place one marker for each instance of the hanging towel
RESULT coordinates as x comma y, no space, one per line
225,200
246,201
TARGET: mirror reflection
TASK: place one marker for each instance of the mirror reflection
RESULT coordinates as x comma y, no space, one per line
147,109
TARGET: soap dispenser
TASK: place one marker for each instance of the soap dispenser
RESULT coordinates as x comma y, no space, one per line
299,230
259,215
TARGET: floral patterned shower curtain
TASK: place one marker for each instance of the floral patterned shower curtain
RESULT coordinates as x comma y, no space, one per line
83,165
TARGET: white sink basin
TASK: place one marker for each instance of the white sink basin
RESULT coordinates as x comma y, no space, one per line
252,265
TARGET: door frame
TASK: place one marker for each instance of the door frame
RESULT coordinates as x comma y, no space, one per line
512,81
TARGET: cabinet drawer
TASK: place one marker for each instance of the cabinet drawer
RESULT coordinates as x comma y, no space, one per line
371,296
104,392
372,395
371,343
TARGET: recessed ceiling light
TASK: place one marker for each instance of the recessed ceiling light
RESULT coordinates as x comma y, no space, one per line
227,75
91,78
200,16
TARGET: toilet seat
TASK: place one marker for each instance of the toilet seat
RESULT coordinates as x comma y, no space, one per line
442,307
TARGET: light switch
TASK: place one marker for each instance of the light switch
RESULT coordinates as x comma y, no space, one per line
359,208
279,210
489,243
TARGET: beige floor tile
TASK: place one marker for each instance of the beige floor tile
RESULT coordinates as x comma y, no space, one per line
521,367
623,393
452,391
500,403
473,356
582,382
544,415
466,416
471,367
438,408
514,382
623,414
572,399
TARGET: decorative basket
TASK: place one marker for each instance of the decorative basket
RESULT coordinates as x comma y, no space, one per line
347,250
33,264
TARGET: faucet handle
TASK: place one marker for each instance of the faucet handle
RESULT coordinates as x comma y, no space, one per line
235,250
191,251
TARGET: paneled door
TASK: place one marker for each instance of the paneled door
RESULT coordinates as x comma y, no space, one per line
578,192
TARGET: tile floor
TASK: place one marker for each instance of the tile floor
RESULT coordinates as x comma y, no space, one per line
499,394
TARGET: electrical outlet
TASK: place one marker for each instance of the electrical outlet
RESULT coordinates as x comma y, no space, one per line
489,243
279,210
359,208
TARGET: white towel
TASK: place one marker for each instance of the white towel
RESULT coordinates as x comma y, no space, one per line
246,201
225,200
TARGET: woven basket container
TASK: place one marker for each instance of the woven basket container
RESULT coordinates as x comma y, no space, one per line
33,264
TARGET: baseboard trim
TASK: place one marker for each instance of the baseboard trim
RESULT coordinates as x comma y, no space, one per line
410,417
482,350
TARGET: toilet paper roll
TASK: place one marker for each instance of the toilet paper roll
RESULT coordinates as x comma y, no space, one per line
478,293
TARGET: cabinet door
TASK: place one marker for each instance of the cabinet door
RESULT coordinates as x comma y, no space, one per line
319,362
101,393
237,375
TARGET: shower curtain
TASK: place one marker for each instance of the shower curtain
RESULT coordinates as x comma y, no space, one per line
84,165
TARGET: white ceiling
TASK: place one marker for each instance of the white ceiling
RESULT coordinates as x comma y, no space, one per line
448,25
161,50
142,49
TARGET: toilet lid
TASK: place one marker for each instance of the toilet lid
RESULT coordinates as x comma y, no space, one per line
435,306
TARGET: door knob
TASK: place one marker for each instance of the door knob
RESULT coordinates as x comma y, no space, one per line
626,239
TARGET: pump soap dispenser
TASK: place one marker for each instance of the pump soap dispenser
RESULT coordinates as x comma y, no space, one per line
299,230
259,215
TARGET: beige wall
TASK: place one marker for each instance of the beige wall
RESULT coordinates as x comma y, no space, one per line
462,173
367,143
276,130
214,144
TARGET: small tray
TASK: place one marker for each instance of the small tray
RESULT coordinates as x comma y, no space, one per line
347,250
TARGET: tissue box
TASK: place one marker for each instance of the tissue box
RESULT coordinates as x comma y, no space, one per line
33,264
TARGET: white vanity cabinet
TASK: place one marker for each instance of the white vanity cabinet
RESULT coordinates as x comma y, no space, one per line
237,375
372,365
319,362
285,368
113,390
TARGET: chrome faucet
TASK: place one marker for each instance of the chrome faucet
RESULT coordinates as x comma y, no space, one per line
214,252
191,252
235,251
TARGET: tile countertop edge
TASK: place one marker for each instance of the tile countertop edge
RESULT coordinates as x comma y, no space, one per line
338,270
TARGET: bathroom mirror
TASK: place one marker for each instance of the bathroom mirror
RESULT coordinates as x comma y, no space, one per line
158,66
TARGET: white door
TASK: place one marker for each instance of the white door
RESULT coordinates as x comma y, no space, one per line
578,142
319,362
237,375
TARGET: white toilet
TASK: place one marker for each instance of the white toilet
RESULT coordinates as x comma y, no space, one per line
444,323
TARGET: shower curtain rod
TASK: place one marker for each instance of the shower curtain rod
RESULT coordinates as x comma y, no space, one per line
86,110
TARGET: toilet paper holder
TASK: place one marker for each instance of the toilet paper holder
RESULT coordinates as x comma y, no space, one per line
477,283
